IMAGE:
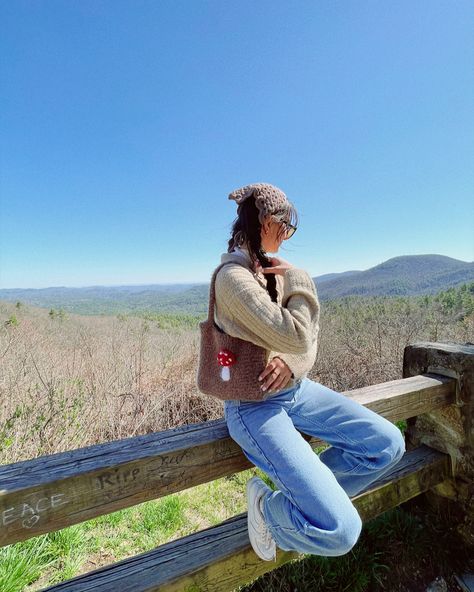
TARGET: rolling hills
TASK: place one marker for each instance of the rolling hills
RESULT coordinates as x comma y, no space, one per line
407,275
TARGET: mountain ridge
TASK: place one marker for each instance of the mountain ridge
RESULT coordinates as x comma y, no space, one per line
404,275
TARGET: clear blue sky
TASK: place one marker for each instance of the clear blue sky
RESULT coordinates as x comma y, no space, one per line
126,123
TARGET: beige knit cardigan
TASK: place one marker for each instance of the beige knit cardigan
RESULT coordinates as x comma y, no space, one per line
288,328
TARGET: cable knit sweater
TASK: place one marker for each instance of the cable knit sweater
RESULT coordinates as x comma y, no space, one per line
287,328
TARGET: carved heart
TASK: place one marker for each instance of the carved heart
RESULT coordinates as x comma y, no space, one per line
31,521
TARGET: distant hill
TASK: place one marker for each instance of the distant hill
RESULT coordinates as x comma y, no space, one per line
330,276
172,298
407,275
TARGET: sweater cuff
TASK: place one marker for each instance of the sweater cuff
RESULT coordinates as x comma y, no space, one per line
296,366
297,281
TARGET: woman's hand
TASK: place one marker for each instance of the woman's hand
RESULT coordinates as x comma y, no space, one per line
278,265
276,375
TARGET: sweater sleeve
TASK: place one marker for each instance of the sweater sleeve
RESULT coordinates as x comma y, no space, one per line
288,328
299,364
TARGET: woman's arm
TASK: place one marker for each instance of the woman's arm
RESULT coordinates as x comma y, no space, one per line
299,364
247,311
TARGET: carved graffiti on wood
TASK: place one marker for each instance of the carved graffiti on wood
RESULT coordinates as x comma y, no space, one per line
117,477
29,512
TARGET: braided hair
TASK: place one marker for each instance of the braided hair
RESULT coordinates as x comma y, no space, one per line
246,231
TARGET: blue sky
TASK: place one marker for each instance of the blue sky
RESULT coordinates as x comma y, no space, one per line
125,125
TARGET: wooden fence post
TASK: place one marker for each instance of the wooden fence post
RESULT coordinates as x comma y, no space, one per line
449,429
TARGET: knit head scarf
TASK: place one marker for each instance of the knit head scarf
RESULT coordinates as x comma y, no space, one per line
268,198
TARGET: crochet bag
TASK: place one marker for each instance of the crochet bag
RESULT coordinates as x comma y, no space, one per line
228,366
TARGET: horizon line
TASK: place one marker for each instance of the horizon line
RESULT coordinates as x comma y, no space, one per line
198,282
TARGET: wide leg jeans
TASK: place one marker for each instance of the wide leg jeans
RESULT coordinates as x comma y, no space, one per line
311,511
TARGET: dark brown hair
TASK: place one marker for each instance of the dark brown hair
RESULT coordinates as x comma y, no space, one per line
246,230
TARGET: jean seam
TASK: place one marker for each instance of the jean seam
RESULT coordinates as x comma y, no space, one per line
289,495
354,469
335,430
278,527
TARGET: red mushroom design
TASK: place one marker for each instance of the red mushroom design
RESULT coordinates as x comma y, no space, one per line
226,358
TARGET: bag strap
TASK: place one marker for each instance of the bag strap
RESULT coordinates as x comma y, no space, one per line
212,292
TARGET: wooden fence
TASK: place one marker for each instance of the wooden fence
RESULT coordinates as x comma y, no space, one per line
52,492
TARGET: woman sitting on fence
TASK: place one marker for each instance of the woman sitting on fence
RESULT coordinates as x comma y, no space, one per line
310,511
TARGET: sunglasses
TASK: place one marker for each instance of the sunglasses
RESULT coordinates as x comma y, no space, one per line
290,230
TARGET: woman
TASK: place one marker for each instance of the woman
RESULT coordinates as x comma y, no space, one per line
275,305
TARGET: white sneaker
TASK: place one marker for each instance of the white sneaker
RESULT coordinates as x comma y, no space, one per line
260,537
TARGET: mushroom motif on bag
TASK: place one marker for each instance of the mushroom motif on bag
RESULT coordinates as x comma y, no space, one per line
226,358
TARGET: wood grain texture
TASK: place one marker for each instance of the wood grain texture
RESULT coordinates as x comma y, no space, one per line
51,492
448,429
220,558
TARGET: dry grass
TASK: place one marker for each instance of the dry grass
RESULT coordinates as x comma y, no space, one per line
69,383
72,381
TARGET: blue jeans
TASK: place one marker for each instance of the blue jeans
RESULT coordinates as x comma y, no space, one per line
311,511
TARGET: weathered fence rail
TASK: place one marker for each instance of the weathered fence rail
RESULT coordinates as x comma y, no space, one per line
52,492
